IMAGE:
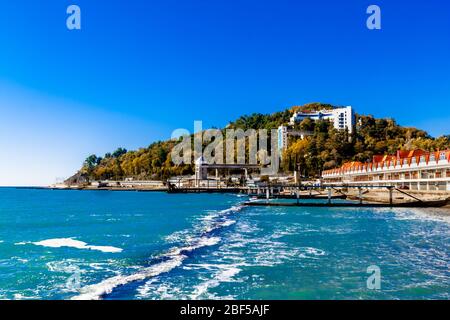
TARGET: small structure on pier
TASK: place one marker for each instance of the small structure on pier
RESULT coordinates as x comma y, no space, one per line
202,167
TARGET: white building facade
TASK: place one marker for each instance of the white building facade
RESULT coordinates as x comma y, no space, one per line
342,118
427,171
283,137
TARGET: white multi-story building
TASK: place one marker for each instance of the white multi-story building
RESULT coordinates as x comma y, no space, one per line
342,118
283,136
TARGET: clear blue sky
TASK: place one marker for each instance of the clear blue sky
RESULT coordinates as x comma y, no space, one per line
139,69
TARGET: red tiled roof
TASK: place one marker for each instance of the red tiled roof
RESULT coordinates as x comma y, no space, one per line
406,157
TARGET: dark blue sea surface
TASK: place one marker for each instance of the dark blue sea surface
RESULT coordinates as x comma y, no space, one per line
152,245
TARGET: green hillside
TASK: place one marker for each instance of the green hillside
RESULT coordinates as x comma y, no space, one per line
326,148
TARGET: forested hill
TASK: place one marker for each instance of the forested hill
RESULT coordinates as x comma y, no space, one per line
326,148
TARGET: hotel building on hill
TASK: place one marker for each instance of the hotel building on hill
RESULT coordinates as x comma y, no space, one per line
416,170
342,118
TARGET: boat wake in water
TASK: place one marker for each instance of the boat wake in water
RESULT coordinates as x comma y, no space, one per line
169,260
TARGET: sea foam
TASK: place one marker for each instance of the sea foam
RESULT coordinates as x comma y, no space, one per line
170,260
174,258
71,243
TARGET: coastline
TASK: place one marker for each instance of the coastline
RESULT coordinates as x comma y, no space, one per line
369,196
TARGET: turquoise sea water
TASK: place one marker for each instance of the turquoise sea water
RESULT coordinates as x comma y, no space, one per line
136,245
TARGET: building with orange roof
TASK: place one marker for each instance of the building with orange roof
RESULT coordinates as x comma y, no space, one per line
412,169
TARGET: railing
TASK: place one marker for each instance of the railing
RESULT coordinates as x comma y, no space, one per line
413,165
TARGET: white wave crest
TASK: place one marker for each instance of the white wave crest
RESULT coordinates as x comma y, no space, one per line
310,252
71,243
174,257
225,273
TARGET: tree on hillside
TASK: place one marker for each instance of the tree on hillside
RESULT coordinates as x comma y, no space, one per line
92,161
119,152
326,148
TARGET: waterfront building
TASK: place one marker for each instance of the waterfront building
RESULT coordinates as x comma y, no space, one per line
342,118
414,170
202,167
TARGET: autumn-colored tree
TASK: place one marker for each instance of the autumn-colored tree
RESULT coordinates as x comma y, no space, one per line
325,148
